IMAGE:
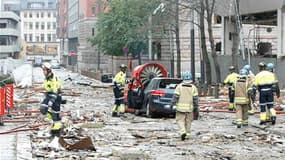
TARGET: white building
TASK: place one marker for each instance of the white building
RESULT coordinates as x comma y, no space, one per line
9,29
39,24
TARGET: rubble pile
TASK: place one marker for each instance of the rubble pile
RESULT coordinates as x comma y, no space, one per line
91,133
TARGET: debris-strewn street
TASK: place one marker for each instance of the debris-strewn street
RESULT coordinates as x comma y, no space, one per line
88,124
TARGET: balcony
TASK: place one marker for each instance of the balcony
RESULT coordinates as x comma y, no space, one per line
9,32
10,49
9,15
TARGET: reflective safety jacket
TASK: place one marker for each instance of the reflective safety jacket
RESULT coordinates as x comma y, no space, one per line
120,78
265,78
52,84
231,78
242,87
186,92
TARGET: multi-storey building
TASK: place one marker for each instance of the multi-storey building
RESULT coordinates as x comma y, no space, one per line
39,24
76,23
10,45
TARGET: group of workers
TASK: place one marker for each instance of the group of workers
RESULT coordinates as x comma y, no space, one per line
242,93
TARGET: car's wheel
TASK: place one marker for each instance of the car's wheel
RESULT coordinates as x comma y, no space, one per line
148,111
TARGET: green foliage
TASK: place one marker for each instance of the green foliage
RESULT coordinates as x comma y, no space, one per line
125,24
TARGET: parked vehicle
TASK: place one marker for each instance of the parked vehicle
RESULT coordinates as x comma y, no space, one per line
156,98
55,64
38,61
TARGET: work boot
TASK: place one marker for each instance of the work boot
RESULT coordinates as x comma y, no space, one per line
115,114
245,124
273,120
238,125
183,136
1,122
262,123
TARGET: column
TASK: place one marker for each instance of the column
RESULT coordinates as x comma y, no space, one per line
281,31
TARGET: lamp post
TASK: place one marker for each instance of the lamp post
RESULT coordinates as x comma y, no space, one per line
161,8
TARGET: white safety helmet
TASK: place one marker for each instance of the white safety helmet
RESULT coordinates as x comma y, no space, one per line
46,65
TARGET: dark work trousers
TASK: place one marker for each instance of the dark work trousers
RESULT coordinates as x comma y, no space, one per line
266,98
119,96
55,106
231,95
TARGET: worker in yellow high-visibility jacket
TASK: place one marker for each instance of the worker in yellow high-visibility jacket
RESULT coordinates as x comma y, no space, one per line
119,86
229,81
51,104
265,81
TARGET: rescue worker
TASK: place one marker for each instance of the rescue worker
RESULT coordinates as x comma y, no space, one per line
242,89
251,76
229,81
270,67
119,85
50,106
264,82
186,101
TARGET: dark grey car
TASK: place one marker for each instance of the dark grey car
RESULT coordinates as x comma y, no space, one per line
157,97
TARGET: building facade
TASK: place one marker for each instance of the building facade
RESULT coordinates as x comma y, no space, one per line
39,25
62,29
73,15
10,42
76,24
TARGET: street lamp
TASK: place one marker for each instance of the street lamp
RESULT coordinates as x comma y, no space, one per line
161,8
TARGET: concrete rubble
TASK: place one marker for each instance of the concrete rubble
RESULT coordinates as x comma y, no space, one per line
91,133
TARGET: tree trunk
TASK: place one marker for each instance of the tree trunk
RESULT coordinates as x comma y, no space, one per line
235,37
203,44
177,39
212,41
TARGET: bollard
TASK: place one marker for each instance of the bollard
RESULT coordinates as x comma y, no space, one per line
2,105
9,95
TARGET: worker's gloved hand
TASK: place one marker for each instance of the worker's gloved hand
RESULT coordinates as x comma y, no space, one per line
50,103
195,112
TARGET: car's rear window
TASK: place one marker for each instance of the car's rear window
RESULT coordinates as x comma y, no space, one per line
169,83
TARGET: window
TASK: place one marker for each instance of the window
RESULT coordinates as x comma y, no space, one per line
31,25
54,25
50,4
54,14
30,37
26,37
3,25
38,15
43,25
37,38
25,15
93,11
37,25
53,37
42,15
48,37
42,37
31,15
48,15
48,25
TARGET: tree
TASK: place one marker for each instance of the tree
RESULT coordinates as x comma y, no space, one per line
203,43
210,4
123,25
